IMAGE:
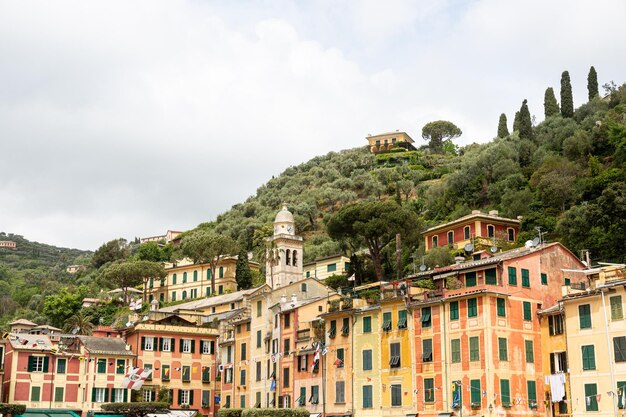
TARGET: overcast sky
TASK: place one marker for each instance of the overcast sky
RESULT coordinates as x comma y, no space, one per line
128,118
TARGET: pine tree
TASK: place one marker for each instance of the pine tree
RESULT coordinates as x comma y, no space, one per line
592,83
503,130
516,122
567,101
525,124
550,106
243,275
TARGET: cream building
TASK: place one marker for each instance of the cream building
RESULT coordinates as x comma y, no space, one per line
284,260
322,268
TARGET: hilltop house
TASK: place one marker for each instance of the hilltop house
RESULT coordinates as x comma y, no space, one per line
384,142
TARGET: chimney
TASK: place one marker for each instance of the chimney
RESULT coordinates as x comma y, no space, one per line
458,259
154,305
294,298
283,299
493,212
475,211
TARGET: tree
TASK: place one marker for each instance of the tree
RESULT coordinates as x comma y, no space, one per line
550,105
209,247
516,122
373,225
12,409
436,132
243,275
525,124
64,304
79,323
503,129
592,83
152,251
126,275
109,252
139,409
567,100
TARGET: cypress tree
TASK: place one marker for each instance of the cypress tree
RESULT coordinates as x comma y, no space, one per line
567,101
503,130
516,122
243,275
550,106
525,124
592,83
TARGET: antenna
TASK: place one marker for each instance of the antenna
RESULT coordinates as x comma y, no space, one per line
493,249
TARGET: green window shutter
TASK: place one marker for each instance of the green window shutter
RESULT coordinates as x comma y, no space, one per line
181,342
454,310
501,307
402,319
544,279
530,351
425,318
58,394
191,397
174,279
120,367
616,308
184,277
102,366
31,363
455,348
126,396
474,343
621,387
195,276
491,277
584,313
470,279
173,345
505,391
367,360
180,397
61,365
46,363
367,324
472,307
619,348
106,395
503,353
427,350
528,316
475,391
512,275
591,390
193,346
221,272
589,357
93,395
532,391
525,278
143,343
367,396
429,390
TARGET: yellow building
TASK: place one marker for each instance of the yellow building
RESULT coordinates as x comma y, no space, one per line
367,332
384,142
322,268
596,343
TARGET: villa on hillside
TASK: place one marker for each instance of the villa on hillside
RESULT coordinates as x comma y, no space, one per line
9,244
384,142
169,236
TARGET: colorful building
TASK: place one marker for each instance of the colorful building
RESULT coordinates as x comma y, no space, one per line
322,268
385,142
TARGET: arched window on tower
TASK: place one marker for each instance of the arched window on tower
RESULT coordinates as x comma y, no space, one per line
288,257
294,258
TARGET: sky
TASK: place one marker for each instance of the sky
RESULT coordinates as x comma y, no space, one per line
129,118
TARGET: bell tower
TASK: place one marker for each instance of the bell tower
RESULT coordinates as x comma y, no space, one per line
283,264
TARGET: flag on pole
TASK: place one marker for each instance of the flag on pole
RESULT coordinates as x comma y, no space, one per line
352,278
316,357
273,385
135,378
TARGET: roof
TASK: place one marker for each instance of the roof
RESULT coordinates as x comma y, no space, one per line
47,327
209,301
225,315
121,290
30,341
23,322
284,216
474,215
105,346
36,412
551,310
288,305
324,258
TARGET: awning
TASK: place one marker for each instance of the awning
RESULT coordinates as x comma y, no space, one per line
315,414
175,413
33,412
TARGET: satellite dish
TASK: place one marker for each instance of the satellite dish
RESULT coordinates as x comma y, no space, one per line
493,249
422,267
529,244
469,248
536,241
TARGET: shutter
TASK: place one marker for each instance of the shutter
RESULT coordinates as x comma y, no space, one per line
190,397
112,395
125,395
193,346
152,395
143,343
31,363
106,395
172,345
93,395
202,342
180,396
46,362
181,345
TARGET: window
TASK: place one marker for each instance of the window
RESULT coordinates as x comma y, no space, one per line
102,366
206,374
367,324
475,393
195,276
450,238
186,346
147,343
455,348
303,363
396,395
314,399
184,295
558,362
505,392
394,350
619,348
35,394
205,347
37,364
184,277
294,258
472,307
491,277
258,371
332,331
589,357
367,396
148,395
427,350
387,321
474,343
228,375
490,231
544,279
61,365
288,257
59,394
301,399
242,401
151,284
308,274
208,274
470,279
220,289
186,375
429,390
174,279
511,234
616,308
184,397
286,377
525,278
530,351
503,353
303,287
528,315
119,395
99,395
229,354
287,320
512,275
331,268
345,328
435,241
367,360
340,358
555,325
454,310
531,387
591,403
584,313
221,272
259,308
340,392
567,281
173,295
501,307
466,232
621,386
165,372
425,318
242,377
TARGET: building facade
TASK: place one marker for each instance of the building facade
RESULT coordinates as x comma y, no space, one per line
322,268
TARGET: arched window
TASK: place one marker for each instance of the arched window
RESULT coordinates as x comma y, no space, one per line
184,277
294,258
511,233
491,232
435,241
450,238
287,257
466,232
184,295
208,274
221,272
174,279
195,276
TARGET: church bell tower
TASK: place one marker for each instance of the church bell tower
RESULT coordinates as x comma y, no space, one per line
284,253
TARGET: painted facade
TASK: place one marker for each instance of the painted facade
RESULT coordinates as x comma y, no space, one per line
384,142
322,268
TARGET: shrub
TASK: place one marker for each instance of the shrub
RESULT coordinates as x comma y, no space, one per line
275,412
139,409
12,409
229,412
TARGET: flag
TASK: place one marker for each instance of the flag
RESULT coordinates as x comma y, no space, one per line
325,351
166,372
598,397
316,357
132,305
338,362
273,385
135,377
352,278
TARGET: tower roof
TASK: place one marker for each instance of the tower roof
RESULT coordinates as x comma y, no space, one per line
284,216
